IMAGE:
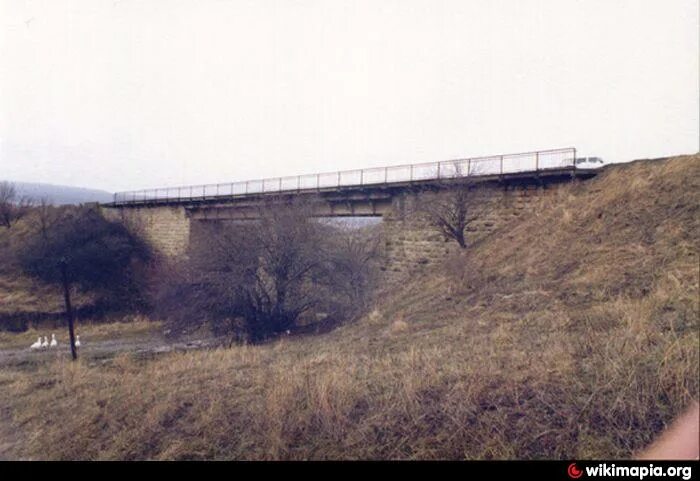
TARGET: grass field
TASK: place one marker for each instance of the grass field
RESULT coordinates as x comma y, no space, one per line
571,333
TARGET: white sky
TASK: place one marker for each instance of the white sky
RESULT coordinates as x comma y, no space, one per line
130,94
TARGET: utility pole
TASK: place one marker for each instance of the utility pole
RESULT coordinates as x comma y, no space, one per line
69,310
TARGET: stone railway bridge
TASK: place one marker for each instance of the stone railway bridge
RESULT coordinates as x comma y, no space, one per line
170,218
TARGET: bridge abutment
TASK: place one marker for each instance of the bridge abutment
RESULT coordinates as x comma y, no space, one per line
166,228
412,243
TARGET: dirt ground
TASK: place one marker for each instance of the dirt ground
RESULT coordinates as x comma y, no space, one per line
97,351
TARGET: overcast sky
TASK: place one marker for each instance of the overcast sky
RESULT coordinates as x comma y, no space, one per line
126,94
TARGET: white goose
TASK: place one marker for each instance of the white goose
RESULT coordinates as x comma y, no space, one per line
37,344
45,343
77,340
54,342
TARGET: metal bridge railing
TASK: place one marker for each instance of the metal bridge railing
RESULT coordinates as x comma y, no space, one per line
495,165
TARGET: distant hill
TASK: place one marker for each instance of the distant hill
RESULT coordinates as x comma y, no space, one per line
61,194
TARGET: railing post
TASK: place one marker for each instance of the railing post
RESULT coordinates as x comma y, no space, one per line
386,174
318,181
410,176
299,183
338,178
469,167
246,187
362,176
438,172
280,185
501,165
537,161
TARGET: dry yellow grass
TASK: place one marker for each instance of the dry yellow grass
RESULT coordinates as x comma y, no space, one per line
20,294
572,333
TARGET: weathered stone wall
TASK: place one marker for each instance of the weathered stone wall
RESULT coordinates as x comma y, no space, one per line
166,228
412,244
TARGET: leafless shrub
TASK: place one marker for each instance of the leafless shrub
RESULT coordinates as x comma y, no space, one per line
12,206
45,216
259,278
354,264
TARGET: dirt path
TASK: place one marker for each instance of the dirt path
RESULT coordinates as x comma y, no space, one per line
98,350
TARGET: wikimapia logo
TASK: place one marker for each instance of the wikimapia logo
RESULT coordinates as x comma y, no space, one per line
638,472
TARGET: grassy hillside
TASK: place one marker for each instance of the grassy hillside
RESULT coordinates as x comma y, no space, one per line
571,333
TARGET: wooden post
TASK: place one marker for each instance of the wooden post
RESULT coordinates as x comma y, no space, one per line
69,309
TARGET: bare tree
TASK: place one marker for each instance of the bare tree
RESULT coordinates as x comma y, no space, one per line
262,277
45,216
8,194
455,204
12,206
85,250
354,257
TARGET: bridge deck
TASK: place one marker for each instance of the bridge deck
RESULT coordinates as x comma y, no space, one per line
510,167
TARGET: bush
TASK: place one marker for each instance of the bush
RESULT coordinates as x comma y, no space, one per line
100,256
258,279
